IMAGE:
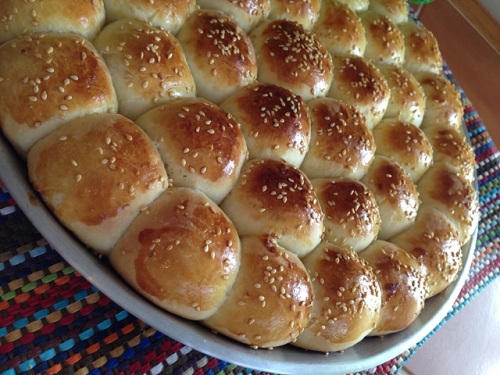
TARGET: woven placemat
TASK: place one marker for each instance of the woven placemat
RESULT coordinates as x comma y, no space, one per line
53,321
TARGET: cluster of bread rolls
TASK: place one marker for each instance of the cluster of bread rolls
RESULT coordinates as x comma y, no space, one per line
282,171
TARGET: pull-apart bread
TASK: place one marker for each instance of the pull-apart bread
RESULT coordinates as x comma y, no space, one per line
279,171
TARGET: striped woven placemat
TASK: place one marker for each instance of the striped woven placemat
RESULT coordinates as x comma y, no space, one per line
53,321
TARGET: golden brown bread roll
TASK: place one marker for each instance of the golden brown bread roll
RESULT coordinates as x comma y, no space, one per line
147,65
356,5
433,241
407,102
167,14
270,302
402,282
341,143
219,53
395,193
452,147
84,18
405,144
340,29
422,52
384,42
352,218
359,83
395,10
274,120
246,13
274,198
291,57
445,189
200,145
95,174
182,253
304,12
47,80
443,104
347,299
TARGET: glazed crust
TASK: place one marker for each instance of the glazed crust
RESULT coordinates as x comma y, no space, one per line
95,174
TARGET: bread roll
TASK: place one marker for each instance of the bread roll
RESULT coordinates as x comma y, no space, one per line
274,120
305,12
84,18
291,57
422,52
200,146
433,241
451,146
271,300
446,190
247,13
384,42
274,198
395,193
147,64
182,253
443,104
341,144
408,99
359,83
219,53
352,218
402,281
340,29
405,144
95,174
347,299
170,15
395,10
356,5
40,90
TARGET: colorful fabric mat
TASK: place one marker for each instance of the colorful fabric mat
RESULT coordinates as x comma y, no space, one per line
53,321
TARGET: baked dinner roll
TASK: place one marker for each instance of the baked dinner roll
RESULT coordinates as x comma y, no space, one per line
407,102
405,144
395,10
200,146
40,89
84,18
167,14
219,53
356,5
274,198
271,299
341,143
95,174
352,218
433,241
305,12
384,42
443,104
147,65
451,146
274,120
246,13
347,299
340,29
395,193
402,281
446,190
359,83
421,49
182,253
291,57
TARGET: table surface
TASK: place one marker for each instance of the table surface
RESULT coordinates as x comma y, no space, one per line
54,321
